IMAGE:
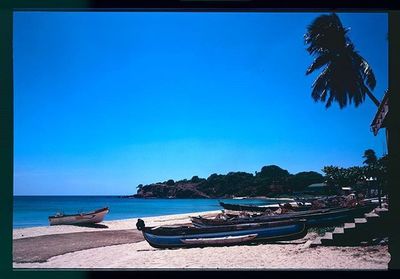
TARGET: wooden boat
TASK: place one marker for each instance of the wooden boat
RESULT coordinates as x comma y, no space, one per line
189,236
92,217
298,206
314,218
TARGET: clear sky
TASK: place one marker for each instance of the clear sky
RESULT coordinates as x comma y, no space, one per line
106,101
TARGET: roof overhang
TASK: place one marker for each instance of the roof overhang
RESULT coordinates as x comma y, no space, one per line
381,114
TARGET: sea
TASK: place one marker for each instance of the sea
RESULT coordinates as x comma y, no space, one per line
33,211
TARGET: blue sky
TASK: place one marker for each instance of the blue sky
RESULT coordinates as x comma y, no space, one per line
106,101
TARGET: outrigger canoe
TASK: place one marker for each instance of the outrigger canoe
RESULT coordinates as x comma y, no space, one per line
314,218
297,206
92,217
189,236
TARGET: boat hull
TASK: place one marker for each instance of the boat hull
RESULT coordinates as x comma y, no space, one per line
225,235
257,208
314,218
79,219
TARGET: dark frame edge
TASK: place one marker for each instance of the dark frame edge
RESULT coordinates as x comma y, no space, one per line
394,137
285,5
6,117
6,137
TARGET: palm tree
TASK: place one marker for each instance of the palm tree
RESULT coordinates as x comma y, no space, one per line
370,157
370,171
346,76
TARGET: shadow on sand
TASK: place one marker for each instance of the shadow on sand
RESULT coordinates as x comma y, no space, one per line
97,226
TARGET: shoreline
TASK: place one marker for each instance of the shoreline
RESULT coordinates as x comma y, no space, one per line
210,204
277,200
120,224
134,252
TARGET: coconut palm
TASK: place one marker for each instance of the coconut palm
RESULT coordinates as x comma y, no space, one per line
370,157
346,77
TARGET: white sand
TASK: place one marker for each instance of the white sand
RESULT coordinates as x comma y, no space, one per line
269,256
264,256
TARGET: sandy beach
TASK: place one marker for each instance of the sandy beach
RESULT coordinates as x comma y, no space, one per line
117,244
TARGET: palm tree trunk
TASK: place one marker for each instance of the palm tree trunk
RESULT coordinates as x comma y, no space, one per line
372,97
379,198
379,194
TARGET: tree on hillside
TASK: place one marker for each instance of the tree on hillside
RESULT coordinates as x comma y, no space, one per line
346,76
231,184
195,179
301,180
170,182
269,179
274,173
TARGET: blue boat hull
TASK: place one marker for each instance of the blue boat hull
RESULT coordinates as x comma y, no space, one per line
261,232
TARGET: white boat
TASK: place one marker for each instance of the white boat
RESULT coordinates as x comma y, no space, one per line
281,199
92,217
294,204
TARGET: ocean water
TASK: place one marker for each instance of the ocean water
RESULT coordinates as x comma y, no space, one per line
32,211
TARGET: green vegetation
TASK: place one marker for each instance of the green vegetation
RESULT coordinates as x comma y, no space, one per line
170,182
301,180
273,181
321,230
370,157
372,175
269,181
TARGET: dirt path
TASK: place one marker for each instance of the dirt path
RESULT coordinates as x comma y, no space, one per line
41,248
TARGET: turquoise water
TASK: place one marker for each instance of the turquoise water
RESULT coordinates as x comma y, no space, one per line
32,211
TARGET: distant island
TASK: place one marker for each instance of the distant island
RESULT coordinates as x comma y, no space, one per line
270,181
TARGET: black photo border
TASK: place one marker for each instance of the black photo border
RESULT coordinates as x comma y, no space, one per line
6,113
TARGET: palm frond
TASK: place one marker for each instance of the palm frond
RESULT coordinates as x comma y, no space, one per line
366,71
319,86
318,63
325,33
347,76
338,84
323,95
330,100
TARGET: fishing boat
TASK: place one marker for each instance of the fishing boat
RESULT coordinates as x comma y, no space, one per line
189,236
314,218
298,206
92,217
